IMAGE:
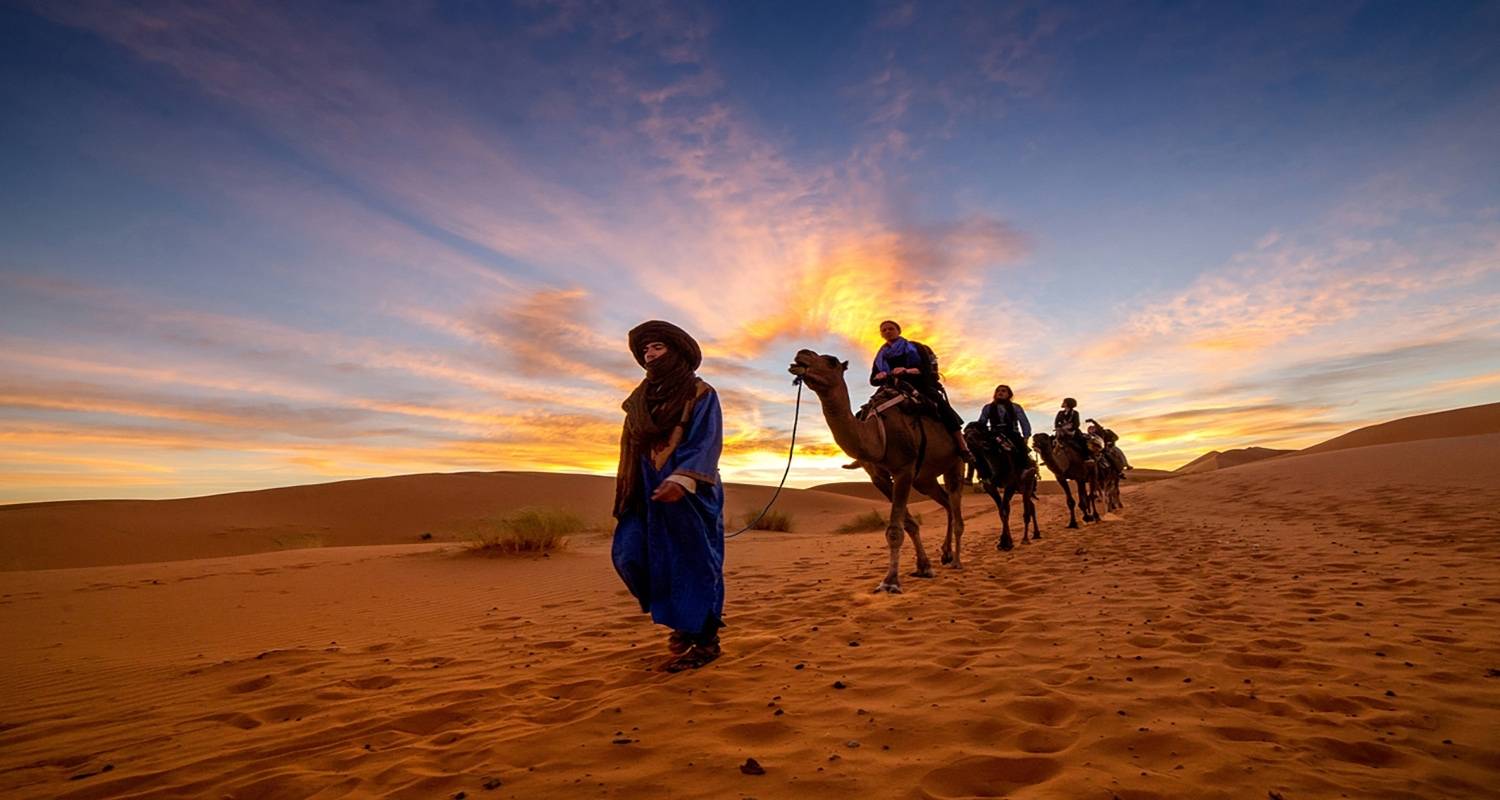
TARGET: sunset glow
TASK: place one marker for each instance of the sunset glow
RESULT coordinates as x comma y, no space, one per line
254,245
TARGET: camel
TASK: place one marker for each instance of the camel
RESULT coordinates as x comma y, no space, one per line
1109,485
900,452
1004,475
1067,465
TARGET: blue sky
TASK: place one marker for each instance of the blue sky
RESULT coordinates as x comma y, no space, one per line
260,244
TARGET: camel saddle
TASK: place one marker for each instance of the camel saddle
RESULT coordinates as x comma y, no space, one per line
896,395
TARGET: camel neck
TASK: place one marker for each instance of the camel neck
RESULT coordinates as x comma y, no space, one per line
845,428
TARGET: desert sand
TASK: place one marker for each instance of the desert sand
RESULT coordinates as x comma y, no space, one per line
1317,626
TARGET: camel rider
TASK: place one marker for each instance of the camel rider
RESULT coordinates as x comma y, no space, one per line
914,363
1069,428
1111,450
668,546
1005,419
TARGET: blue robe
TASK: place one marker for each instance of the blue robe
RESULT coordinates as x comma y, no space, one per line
671,555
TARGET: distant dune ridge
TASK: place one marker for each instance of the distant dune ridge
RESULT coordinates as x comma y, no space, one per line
397,510
1215,459
1439,425
1331,620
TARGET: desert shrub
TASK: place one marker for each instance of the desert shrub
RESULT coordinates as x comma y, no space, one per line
871,520
773,520
529,530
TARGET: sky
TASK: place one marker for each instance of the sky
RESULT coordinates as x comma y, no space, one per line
254,244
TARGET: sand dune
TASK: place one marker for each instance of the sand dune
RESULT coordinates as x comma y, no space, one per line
394,510
1322,626
1215,459
1469,421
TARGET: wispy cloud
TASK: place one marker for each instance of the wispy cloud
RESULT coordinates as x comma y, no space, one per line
423,251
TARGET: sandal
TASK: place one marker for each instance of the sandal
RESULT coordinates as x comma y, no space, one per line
679,642
698,655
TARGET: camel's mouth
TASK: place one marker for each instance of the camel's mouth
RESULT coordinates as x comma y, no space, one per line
801,362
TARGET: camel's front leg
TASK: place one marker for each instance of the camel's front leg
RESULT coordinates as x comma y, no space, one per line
900,491
1005,543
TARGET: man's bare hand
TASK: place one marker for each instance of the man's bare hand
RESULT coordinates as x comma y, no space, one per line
669,492
880,376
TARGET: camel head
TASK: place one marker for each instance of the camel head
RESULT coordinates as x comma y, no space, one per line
1041,442
819,372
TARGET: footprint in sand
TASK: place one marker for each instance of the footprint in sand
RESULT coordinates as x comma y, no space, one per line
1253,661
1329,704
987,776
252,685
372,682
1239,734
1368,754
1042,741
1048,711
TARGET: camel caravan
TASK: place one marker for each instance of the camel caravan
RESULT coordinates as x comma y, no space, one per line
908,435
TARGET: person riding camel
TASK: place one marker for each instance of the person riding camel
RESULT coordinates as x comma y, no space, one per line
668,545
1005,419
1111,449
914,362
1069,428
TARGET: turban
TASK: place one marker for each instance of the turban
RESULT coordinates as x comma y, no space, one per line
668,334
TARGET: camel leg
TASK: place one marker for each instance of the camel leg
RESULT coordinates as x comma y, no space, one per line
956,512
953,503
1086,500
931,488
1005,543
1028,510
1068,492
894,532
950,546
914,532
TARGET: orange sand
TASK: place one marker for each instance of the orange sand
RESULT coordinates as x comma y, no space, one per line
1318,626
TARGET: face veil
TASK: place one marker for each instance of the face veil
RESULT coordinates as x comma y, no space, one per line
659,404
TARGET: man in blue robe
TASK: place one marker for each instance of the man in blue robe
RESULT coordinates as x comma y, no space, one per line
669,503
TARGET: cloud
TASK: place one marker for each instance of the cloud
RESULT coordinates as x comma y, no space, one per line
453,274
1285,290
1344,373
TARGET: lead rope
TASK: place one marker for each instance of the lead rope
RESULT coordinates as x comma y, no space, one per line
796,412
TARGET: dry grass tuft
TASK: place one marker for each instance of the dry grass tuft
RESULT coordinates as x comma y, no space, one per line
869,521
772,521
528,531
